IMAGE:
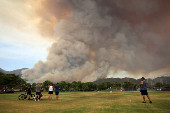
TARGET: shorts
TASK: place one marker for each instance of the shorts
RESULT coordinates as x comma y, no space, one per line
140,90
144,92
50,92
56,93
28,93
37,93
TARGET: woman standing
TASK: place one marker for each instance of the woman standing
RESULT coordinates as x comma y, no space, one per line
50,92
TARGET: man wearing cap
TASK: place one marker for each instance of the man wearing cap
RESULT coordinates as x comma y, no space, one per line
144,89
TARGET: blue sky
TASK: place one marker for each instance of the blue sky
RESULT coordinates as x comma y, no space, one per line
12,64
20,49
21,44
16,57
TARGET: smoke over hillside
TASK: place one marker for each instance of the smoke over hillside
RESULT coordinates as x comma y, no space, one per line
97,37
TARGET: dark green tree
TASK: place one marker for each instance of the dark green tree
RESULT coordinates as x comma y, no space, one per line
108,84
128,84
1,78
102,86
85,87
79,85
11,80
166,85
74,85
118,85
158,85
63,85
91,86
68,86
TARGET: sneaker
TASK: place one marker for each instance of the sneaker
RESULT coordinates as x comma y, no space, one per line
144,102
38,100
150,101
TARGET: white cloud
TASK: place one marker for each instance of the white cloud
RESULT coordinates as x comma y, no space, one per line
19,37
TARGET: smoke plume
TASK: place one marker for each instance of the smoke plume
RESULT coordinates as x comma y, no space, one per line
96,37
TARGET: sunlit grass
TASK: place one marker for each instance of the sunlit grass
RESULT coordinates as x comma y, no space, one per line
94,102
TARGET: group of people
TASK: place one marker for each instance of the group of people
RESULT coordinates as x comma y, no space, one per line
143,91
39,89
51,88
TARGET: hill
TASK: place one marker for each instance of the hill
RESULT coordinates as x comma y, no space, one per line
162,79
16,72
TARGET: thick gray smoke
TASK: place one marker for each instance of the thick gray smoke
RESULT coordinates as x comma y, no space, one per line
99,36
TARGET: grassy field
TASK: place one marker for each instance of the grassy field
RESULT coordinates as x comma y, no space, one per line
84,102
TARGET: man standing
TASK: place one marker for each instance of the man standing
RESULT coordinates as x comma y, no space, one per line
38,89
144,89
57,87
29,92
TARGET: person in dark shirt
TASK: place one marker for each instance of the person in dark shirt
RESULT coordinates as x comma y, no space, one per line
144,92
29,92
57,87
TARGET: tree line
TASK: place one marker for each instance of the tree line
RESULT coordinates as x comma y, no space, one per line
12,80
79,86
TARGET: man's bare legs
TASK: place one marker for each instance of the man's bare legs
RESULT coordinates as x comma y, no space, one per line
143,97
56,97
38,97
148,97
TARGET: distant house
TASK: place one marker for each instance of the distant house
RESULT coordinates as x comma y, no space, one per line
18,88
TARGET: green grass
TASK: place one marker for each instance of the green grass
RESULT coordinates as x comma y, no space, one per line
84,102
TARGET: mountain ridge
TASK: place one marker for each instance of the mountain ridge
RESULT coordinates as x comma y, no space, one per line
16,72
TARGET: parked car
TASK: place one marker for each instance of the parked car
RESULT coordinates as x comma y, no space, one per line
8,91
